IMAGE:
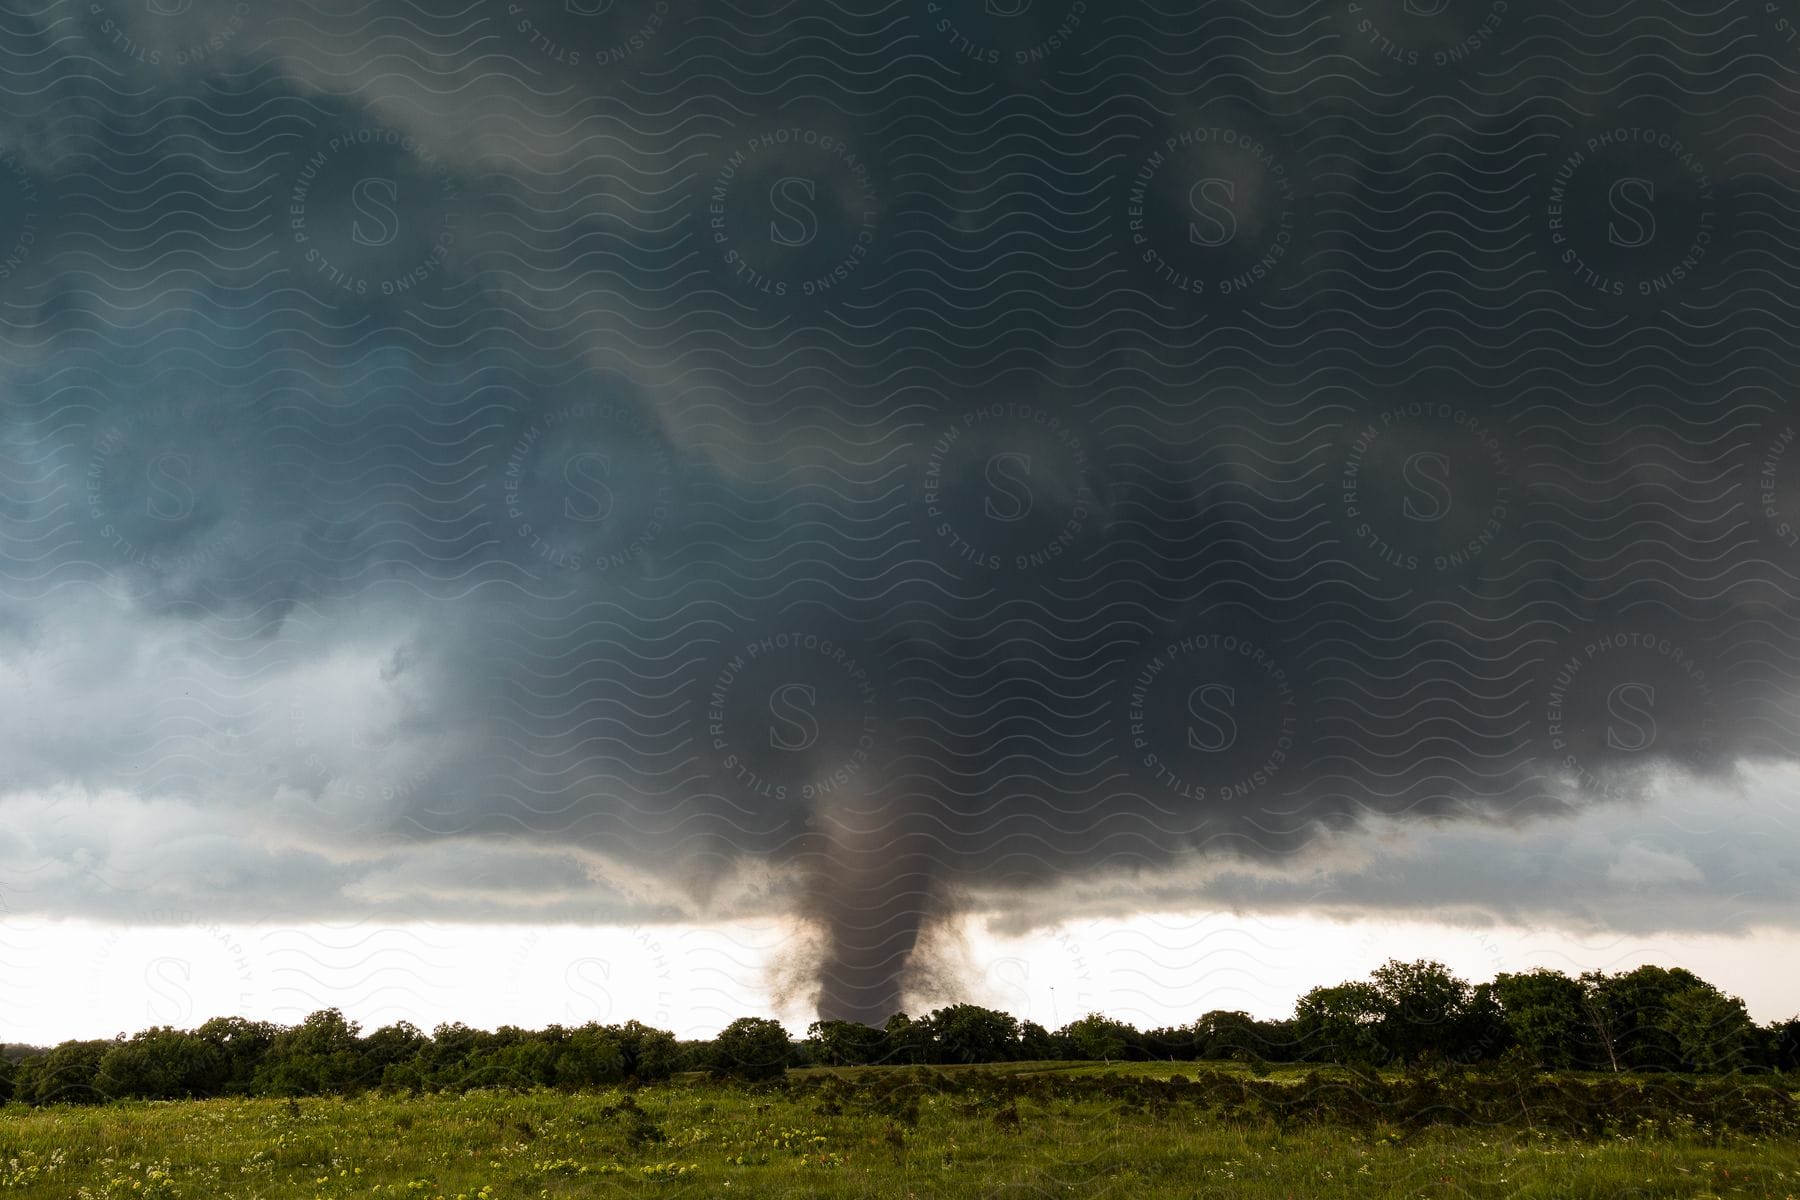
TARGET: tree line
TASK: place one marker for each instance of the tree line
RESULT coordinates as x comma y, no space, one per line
1647,1019
1405,1014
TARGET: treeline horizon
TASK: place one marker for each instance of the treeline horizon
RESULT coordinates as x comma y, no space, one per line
1405,1014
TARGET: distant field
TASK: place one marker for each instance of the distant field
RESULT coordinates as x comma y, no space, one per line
1120,1070
1081,1130
1279,1072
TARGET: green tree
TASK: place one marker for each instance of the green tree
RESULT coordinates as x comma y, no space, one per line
1224,1033
845,1043
390,1056
240,1045
1482,1031
908,1041
1423,1009
160,1064
1340,1024
649,1053
969,1033
69,1074
1783,1038
1096,1036
588,1057
1603,1023
317,1057
515,1058
1036,1044
1712,1031
1631,1018
753,1048
28,1074
1546,1016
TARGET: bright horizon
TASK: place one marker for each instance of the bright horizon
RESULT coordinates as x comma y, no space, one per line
1153,970
531,513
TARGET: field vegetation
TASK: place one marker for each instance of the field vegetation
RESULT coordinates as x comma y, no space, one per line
1125,1130
1413,1083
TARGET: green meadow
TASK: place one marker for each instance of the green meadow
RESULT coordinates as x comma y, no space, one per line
1086,1130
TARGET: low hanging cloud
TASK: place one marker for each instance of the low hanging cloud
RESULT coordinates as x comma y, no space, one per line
654,461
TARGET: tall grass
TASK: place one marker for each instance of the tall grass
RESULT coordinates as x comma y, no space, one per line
864,1133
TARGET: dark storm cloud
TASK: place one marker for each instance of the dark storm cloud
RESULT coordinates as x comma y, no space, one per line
862,464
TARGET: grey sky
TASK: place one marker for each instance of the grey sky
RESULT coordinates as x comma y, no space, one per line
862,463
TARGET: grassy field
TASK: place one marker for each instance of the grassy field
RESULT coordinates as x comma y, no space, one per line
861,1132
